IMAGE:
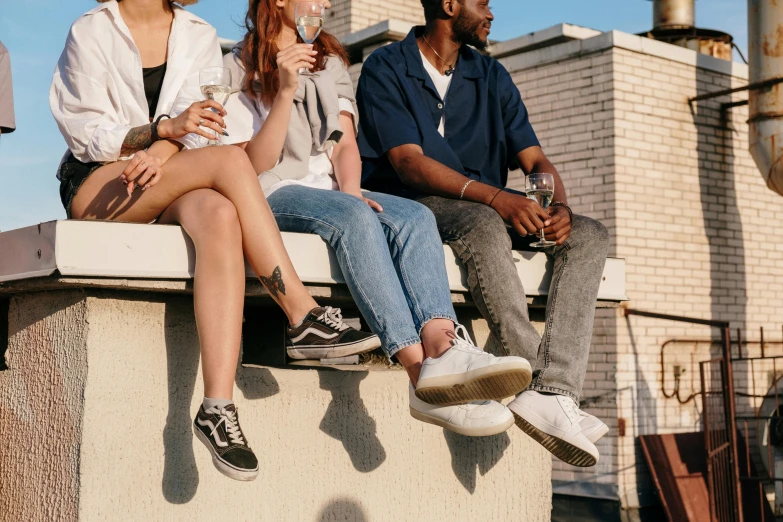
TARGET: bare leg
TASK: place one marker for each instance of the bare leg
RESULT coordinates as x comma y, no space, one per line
436,336
436,340
212,223
411,358
228,171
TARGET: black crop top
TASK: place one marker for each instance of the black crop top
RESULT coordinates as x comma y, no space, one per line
153,83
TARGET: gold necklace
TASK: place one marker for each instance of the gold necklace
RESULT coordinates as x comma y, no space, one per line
450,67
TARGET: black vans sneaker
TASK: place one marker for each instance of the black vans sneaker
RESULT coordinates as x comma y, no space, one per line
324,335
218,429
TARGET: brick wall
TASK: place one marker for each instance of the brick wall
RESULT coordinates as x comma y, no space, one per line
688,211
693,221
349,16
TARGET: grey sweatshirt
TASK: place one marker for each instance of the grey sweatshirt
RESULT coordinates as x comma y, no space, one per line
315,115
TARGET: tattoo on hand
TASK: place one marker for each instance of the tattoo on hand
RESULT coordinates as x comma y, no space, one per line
274,283
138,138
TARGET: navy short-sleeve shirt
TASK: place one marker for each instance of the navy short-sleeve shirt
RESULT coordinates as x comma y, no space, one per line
486,123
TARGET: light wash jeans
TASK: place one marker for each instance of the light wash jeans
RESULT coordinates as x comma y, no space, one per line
392,261
481,240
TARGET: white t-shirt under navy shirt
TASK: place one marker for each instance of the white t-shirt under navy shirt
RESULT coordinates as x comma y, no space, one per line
442,82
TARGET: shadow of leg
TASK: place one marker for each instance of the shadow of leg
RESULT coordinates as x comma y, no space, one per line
469,454
256,383
342,510
180,475
347,420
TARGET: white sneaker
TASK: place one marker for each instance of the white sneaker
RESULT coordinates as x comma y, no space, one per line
477,419
466,374
592,427
553,422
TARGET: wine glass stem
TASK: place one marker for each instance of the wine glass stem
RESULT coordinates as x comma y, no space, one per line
541,235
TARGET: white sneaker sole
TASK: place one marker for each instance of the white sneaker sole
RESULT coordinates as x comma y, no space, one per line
333,352
491,383
597,434
481,431
224,467
560,448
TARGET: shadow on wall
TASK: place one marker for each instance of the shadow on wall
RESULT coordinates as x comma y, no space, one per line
347,419
180,474
342,510
473,455
644,406
718,185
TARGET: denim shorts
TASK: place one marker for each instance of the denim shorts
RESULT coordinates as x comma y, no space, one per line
72,174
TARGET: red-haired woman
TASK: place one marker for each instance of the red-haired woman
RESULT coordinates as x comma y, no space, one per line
125,67
299,133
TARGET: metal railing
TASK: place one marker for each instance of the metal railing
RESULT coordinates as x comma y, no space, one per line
720,433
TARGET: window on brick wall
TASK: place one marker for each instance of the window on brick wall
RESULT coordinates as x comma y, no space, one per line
3,331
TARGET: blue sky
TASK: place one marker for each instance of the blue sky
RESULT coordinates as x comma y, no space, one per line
34,32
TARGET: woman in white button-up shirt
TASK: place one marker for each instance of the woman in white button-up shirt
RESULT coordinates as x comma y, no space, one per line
99,101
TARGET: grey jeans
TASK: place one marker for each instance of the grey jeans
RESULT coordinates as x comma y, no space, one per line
480,238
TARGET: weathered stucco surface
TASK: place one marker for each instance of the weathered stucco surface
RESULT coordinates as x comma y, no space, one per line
41,406
333,445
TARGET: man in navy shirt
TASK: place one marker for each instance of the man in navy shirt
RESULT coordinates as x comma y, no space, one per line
443,124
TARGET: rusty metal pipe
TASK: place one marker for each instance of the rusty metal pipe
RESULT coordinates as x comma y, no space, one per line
668,14
765,49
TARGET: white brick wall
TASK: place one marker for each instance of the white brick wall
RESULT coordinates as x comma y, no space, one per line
350,16
688,211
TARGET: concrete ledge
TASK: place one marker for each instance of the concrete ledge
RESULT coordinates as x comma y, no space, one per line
97,251
95,414
521,60
554,35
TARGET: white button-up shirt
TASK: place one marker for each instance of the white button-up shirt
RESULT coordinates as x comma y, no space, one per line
97,93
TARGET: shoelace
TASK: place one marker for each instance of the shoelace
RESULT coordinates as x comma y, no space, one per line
571,409
229,418
333,317
464,340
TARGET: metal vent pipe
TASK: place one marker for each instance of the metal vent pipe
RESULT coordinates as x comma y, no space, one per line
765,47
674,13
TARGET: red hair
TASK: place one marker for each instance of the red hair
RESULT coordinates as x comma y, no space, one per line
264,22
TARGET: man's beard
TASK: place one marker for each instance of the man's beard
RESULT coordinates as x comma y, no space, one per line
466,31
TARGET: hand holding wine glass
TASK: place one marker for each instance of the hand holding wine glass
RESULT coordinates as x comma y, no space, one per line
215,86
540,187
291,61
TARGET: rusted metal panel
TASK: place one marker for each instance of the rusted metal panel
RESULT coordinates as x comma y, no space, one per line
679,471
673,13
765,48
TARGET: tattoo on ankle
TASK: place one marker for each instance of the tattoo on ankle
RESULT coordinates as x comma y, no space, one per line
138,138
274,283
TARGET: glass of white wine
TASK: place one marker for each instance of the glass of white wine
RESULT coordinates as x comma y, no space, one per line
309,17
215,85
541,189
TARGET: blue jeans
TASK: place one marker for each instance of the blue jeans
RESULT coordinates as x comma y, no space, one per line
389,259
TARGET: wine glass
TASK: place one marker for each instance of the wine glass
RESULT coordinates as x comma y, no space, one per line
309,18
541,188
215,85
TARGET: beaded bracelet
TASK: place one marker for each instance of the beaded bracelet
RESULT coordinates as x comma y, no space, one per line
464,187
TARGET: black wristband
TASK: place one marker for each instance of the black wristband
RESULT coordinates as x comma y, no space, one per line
565,206
493,198
155,135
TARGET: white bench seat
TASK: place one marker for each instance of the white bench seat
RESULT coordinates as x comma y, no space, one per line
93,249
